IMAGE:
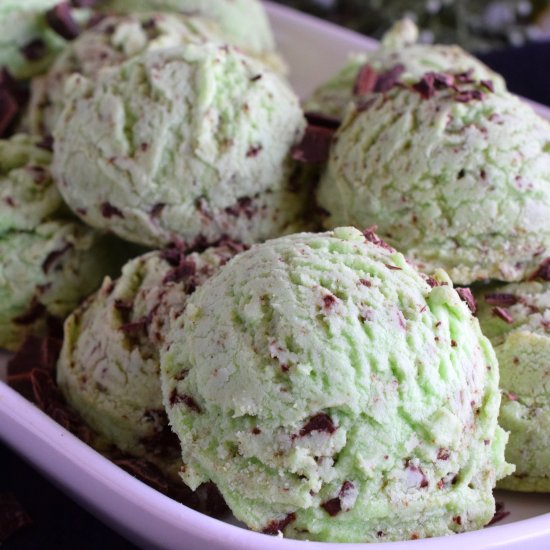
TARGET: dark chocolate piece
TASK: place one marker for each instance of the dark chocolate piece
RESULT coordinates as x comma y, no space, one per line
34,50
176,398
320,119
315,145
500,514
276,525
8,110
366,80
35,312
387,80
501,299
109,211
61,20
54,256
467,296
542,272
320,422
372,237
503,314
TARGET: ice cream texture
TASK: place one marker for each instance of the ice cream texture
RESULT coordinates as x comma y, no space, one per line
108,43
244,22
189,144
48,261
454,174
399,46
516,317
108,369
331,392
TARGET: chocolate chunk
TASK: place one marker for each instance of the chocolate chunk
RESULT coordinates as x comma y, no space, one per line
157,209
53,257
389,79
60,19
34,353
184,270
276,525
315,145
8,110
465,77
35,312
501,299
163,442
109,211
432,282
366,80
320,119
332,507
503,314
34,50
254,151
320,422
467,296
244,206
176,398
465,96
328,301
500,514
372,237
122,306
172,256
443,454
488,85
417,470
542,272
425,86
255,78
13,516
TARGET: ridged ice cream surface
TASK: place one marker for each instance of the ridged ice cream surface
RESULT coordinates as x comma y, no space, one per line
49,261
183,144
108,369
110,42
516,318
332,392
399,46
453,173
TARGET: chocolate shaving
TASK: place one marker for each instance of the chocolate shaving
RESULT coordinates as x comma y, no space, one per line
34,50
13,516
500,514
35,312
53,257
320,422
332,507
366,80
254,151
320,119
35,352
109,211
315,145
467,296
443,454
542,272
176,398
501,299
465,77
387,80
276,525
432,282
371,236
60,19
488,85
8,110
393,267
172,256
328,301
465,96
184,270
135,327
503,314
425,86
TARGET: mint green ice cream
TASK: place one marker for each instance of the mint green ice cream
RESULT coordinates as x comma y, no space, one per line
456,176
185,144
27,43
516,318
333,393
244,22
48,260
399,46
109,43
108,369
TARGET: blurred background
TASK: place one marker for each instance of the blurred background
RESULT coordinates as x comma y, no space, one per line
511,36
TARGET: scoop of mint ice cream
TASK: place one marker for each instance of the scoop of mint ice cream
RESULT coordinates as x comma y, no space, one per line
399,46
333,393
244,22
28,45
108,43
516,317
48,261
455,175
108,369
189,144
